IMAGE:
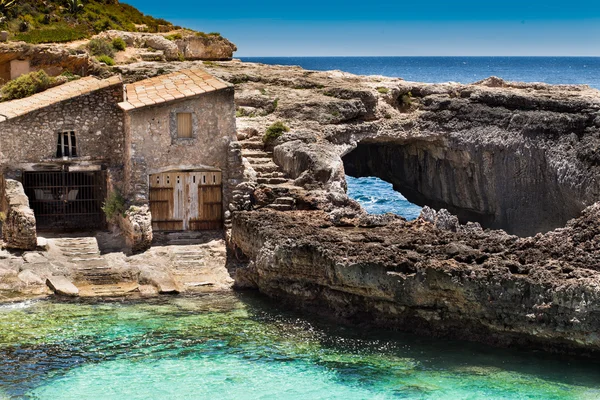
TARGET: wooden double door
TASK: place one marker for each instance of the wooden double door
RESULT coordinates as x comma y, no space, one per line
186,200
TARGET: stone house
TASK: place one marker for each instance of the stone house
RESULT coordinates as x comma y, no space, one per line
161,142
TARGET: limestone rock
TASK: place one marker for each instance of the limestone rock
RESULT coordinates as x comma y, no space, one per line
210,47
19,229
62,286
137,228
162,280
30,278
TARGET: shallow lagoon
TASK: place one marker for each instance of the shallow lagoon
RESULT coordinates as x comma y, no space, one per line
228,346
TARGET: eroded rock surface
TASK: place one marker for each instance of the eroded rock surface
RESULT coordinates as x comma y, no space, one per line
488,286
18,228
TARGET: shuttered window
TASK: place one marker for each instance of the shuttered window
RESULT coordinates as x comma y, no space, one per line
67,145
184,125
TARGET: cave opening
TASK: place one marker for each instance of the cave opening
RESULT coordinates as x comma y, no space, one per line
377,196
496,187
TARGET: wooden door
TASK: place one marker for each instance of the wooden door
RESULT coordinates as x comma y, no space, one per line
186,200
163,205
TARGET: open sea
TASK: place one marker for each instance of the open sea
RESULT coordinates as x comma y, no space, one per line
377,196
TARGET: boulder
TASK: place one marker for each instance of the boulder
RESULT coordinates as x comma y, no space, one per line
30,278
62,286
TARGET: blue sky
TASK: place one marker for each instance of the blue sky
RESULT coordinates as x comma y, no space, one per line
392,28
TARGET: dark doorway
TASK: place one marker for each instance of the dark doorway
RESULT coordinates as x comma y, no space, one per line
63,200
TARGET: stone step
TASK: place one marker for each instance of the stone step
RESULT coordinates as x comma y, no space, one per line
188,262
252,144
279,207
63,246
197,257
256,154
109,290
265,167
290,201
184,242
90,264
254,161
80,253
275,174
271,181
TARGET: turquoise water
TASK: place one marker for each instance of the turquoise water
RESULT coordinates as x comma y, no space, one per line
377,196
230,346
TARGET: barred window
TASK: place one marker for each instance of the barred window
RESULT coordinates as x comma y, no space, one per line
67,145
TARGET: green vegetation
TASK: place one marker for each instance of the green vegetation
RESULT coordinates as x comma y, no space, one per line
119,44
101,47
114,205
274,131
44,21
70,76
26,85
174,36
209,63
56,34
108,60
383,90
75,6
406,99
208,35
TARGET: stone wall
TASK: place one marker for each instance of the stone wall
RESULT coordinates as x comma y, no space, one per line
152,147
18,228
95,118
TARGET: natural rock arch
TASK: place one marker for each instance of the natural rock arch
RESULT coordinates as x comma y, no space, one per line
501,188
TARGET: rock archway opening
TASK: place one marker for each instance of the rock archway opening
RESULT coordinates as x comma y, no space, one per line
495,187
377,196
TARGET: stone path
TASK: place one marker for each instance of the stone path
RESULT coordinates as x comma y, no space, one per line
92,273
197,260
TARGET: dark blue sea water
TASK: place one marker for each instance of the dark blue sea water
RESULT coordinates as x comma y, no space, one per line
555,70
377,196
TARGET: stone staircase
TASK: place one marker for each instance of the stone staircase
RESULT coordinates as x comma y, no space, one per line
93,276
267,172
192,257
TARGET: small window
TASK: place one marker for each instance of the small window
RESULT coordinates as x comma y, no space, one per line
184,125
66,145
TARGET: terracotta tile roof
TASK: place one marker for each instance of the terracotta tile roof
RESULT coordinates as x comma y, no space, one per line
174,86
66,91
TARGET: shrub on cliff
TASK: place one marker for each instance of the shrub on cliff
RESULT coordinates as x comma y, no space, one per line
274,131
26,85
56,34
119,44
106,59
114,205
101,47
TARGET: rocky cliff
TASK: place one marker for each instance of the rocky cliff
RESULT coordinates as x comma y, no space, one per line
520,157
